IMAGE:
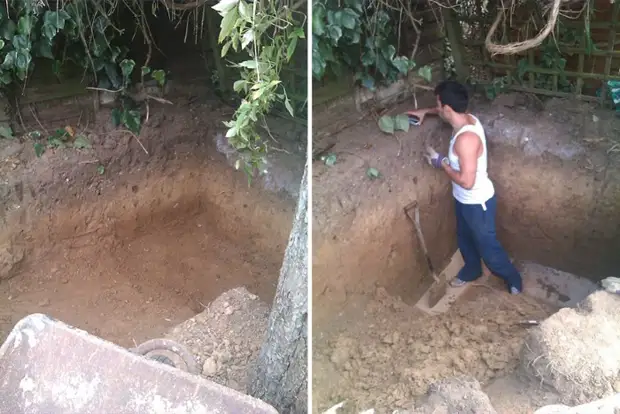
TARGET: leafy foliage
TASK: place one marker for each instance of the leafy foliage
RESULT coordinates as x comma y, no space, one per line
80,33
268,33
390,124
350,36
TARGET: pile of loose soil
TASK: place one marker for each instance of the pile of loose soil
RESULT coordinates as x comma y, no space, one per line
458,395
226,337
576,352
392,356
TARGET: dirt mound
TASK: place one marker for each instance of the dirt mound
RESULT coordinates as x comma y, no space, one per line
225,338
577,351
396,352
458,395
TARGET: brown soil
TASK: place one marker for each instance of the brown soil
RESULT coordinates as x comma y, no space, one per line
226,337
389,354
128,254
556,172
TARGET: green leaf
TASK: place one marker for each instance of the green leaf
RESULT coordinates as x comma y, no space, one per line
389,52
8,29
245,11
2,44
24,25
335,33
100,169
373,173
127,66
289,107
21,42
225,6
6,132
250,64
43,48
81,142
49,31
290,50
228,24
402,64
111,71
349,19
239,85
39,149
226,48
386,124
426,73
100,24
116,117
9,60
6,78
330,159
145,70
159,76
401,122
132,120
22,61
57,19
318,20
248,37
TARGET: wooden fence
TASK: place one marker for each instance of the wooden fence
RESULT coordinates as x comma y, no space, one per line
577,60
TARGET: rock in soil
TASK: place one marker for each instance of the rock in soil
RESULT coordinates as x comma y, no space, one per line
458,395
10,258
226,337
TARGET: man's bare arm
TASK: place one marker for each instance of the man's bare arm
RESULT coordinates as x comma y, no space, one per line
467,147
422,112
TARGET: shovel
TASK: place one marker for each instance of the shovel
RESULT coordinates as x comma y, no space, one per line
439,287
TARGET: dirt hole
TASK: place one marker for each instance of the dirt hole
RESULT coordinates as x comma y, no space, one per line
371,346
128,254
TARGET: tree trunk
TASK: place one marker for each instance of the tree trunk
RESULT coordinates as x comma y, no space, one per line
280,376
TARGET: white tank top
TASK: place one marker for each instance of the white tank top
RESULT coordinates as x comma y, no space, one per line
483,188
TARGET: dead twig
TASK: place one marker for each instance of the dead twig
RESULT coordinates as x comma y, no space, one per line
36,118
136,138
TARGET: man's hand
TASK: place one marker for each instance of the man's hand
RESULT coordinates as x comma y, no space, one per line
421,113
434,158
418,113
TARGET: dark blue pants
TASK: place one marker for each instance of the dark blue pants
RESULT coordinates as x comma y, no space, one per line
477,240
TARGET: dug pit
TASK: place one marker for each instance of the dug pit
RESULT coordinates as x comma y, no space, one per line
556,173
127,244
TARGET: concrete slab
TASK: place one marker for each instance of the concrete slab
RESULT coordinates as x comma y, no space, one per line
48,367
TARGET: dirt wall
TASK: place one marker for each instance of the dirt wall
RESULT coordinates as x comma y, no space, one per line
558,192
122,186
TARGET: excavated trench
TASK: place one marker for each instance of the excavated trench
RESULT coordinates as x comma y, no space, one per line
558,185
132,252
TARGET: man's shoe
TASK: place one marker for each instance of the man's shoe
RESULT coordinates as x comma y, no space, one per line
514,291
455,283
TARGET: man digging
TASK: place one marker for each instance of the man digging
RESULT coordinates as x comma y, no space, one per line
476,204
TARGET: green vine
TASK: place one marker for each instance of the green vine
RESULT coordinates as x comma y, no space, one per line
79,34
268,33
351,36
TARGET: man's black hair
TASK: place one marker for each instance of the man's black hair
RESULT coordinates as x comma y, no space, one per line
454,94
